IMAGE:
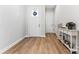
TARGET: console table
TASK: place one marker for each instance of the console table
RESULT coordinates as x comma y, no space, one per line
69,39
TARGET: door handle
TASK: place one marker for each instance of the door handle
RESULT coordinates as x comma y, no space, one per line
39,25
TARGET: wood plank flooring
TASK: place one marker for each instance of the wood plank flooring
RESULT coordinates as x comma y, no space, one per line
39,45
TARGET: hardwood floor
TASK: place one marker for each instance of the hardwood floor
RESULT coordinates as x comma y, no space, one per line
39,45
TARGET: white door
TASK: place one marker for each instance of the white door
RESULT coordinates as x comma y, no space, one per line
49,21
34,22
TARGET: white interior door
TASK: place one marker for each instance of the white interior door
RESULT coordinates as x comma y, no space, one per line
49,21
34,22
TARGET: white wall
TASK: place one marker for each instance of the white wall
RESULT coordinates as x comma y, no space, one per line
12,26
31,20
49,20
67,13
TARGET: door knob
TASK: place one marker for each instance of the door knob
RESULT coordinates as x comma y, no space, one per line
39,25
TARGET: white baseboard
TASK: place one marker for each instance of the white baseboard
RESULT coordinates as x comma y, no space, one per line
35,36
8,47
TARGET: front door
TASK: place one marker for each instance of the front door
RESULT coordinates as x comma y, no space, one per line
34,18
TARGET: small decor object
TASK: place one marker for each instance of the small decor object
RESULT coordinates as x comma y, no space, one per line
71,25
34,13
